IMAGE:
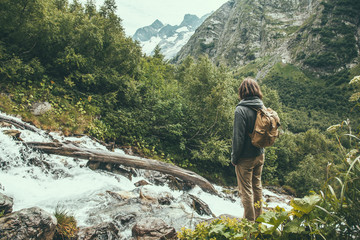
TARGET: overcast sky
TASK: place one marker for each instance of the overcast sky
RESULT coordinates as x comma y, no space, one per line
140,13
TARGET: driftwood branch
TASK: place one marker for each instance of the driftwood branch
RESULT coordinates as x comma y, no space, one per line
70,150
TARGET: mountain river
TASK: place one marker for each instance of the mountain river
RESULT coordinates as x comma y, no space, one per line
33,178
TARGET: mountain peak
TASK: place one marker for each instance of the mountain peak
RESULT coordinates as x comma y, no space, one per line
190,20
169,38
157,24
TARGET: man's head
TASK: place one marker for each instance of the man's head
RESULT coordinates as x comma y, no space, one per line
249,88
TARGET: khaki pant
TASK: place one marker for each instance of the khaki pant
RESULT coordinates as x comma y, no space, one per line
248,173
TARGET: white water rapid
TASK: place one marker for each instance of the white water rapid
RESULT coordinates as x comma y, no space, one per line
33,179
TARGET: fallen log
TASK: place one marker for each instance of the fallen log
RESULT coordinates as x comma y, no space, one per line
23,125
18,123
70,150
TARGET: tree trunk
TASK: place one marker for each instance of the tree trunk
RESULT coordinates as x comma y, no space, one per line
70,150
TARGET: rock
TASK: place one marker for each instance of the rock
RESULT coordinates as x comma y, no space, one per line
29,223
5,124
126,219
128,150
178,184
122,195
141,183
269,198
40,108
153,228
93,165
114,195
165,198
200,206
107,230
174,183
110,146
6,204
152,197
127,172
152,176
109,166
148,196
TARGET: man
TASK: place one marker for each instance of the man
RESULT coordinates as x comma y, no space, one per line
248,159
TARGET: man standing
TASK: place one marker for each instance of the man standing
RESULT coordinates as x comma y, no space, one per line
248,159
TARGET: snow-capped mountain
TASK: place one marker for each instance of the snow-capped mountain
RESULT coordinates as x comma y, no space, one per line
169,38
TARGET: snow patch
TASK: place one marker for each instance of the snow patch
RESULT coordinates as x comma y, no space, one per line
149,46
182,29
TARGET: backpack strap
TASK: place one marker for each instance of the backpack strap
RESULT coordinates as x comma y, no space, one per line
255,109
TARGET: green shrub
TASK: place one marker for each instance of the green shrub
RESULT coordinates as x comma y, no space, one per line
222,228
299,223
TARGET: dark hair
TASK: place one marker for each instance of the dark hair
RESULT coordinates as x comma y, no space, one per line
249,88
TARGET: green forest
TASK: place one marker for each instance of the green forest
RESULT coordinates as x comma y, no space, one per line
99,83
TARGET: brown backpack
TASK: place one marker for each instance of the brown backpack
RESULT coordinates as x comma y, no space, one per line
266,128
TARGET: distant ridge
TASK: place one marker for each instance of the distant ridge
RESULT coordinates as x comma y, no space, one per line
170,38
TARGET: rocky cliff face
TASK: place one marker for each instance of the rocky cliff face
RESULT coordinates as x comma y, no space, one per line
329,40
169,38
292,31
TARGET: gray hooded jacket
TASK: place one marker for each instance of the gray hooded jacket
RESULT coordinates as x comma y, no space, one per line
244,122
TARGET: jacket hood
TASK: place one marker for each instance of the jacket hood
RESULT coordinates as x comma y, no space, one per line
254,102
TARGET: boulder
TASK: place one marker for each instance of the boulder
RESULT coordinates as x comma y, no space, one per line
40,108
6,204
29,223
107,230
153,228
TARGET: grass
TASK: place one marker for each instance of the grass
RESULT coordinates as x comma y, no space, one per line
66,227
251,69
64,116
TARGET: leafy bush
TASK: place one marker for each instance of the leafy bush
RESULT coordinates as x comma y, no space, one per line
342,190
330,215
342,199
299,223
